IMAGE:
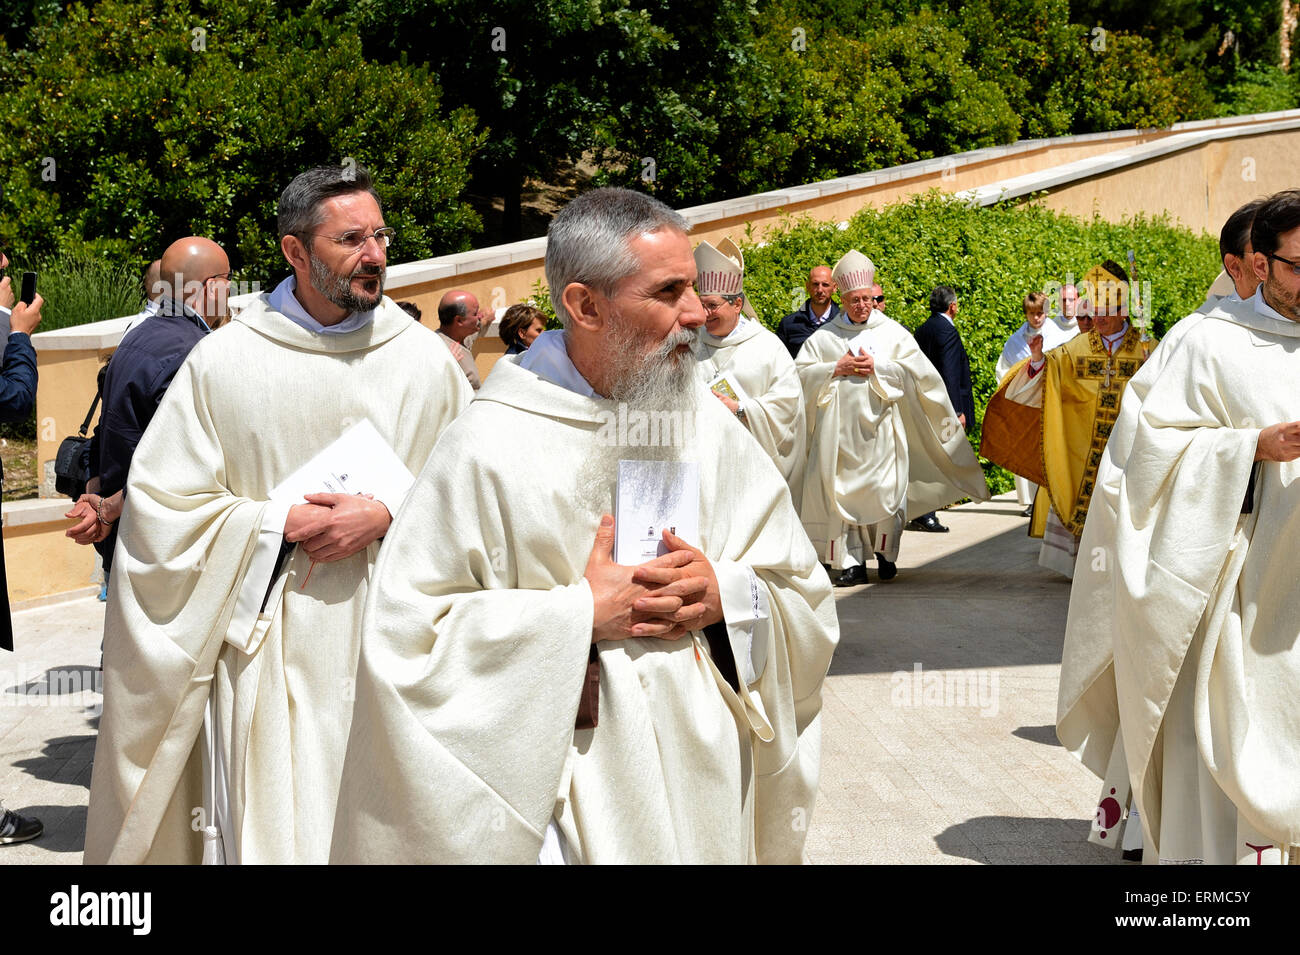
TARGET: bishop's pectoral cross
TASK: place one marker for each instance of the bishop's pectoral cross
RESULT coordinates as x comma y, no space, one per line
1110,365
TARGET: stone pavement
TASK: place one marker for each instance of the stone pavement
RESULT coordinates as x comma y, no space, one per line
910,774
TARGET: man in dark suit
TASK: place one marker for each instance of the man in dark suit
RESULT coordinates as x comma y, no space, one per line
17,396
816,312
940,342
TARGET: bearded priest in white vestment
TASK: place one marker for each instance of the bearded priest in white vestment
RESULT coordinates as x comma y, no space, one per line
1207,614
734,345
229,654
884,440
1087,708
523,698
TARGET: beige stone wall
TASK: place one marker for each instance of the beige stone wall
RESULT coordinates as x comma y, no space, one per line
66,389
1198,187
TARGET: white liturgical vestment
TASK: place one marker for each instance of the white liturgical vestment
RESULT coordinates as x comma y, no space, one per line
882,445
475,654
198,610
774,411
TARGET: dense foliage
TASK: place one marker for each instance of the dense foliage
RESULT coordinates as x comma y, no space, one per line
133,123
130,122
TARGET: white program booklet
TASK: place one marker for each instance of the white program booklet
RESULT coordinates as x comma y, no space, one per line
359,461
863,343
652,496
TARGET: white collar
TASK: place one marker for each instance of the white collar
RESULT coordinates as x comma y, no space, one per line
547,357
1112,339
150,307
1263,308
284,301
739,326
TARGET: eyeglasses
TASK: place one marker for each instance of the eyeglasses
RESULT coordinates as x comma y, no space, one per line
224,276
713,308
355,241
878,299
1295,266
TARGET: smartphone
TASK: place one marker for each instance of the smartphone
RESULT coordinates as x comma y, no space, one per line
29,288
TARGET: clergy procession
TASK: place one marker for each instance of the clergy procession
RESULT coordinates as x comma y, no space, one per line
370,602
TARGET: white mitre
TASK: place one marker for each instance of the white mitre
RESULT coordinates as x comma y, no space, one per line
722,272
853,271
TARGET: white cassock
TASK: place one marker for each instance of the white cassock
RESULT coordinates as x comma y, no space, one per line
1206,610
774,412
475,655
1087,708
196,558
1017,350
880,447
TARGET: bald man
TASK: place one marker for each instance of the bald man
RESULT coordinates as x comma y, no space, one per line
191,287
459,317
816,312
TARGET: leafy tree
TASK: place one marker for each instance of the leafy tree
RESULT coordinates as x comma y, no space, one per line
549,79
946,107
134,123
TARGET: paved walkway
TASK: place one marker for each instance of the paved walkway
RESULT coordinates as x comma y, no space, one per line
970,773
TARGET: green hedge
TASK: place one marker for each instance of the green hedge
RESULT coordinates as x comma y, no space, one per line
81,289
991,257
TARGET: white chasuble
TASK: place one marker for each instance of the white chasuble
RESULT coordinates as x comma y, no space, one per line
881,446
774,413
475,655
1087,710
1205,596
185,618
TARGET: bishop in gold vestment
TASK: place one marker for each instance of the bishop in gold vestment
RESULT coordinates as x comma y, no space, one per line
1071,397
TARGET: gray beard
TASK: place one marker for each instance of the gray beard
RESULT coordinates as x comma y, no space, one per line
657,382
653,385
338,288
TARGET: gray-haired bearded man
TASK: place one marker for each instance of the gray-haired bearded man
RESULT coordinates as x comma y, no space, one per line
522,696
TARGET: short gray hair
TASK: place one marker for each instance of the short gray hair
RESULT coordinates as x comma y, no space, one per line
299,210
588,241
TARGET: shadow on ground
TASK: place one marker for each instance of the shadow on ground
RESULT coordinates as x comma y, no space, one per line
965,610
1038,734
1009,840
65,829
58,763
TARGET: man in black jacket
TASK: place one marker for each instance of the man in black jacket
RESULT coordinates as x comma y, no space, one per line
196,278
940,342
17,396
816,312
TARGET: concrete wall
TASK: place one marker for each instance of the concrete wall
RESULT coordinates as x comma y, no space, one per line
1197,172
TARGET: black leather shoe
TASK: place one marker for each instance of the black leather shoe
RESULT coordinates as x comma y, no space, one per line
851,576
885,569
930,524
1028,512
